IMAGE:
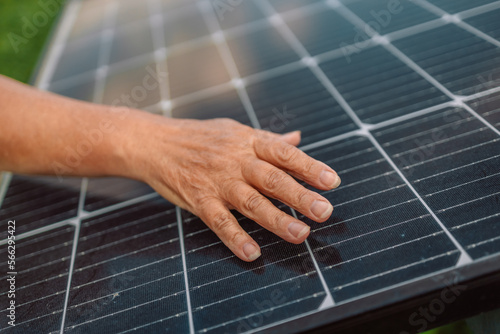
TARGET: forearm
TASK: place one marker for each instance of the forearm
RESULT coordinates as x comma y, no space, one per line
42,133
207,167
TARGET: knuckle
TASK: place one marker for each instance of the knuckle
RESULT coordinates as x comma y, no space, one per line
274,179
234,237
276,220
285,153
303,197
309,166
253,202
221,221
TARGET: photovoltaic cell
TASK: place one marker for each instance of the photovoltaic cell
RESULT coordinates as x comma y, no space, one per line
376,217
228,295
183,25
286,5
298,101
36,202
85,53
227,105
81,90
489,108
273,51
195,70
459,5
140,33
105,192
386,17
467,57
136,87
322,30
229,16
452,160
128,272
44,261
409,118
363,77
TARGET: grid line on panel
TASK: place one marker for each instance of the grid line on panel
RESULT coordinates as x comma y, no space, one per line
478,10
83,195
329,301
288,34
125,310
471,201
152,323
254,290
456,168
456,19
105,50
4,185
71,266
129,202
48,68
185,270
160,53
398,268
368,233
475,221
461,185
349,15
234,31
266,310
227,58
453,153
128,289
465,257
130,270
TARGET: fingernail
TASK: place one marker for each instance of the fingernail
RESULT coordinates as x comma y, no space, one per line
321,209
329,179
298,230
251,251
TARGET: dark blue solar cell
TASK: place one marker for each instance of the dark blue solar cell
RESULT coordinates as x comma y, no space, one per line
274,51
128,271
39,201
456,6
487,22
451,158
387,16
286,5
79,56
42,263
104,192
226,105
377,210
488,107
454,57
298,101
184,25
235,13
132,40
228,294
362,78
322,30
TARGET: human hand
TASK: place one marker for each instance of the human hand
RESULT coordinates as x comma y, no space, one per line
211,167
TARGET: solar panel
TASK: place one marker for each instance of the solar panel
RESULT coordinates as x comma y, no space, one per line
401,98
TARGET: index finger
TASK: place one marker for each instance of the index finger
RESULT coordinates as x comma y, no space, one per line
291,159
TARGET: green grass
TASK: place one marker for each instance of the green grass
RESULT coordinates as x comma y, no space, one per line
20,51
18,60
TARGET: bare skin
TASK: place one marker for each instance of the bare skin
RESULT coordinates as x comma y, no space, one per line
206,167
